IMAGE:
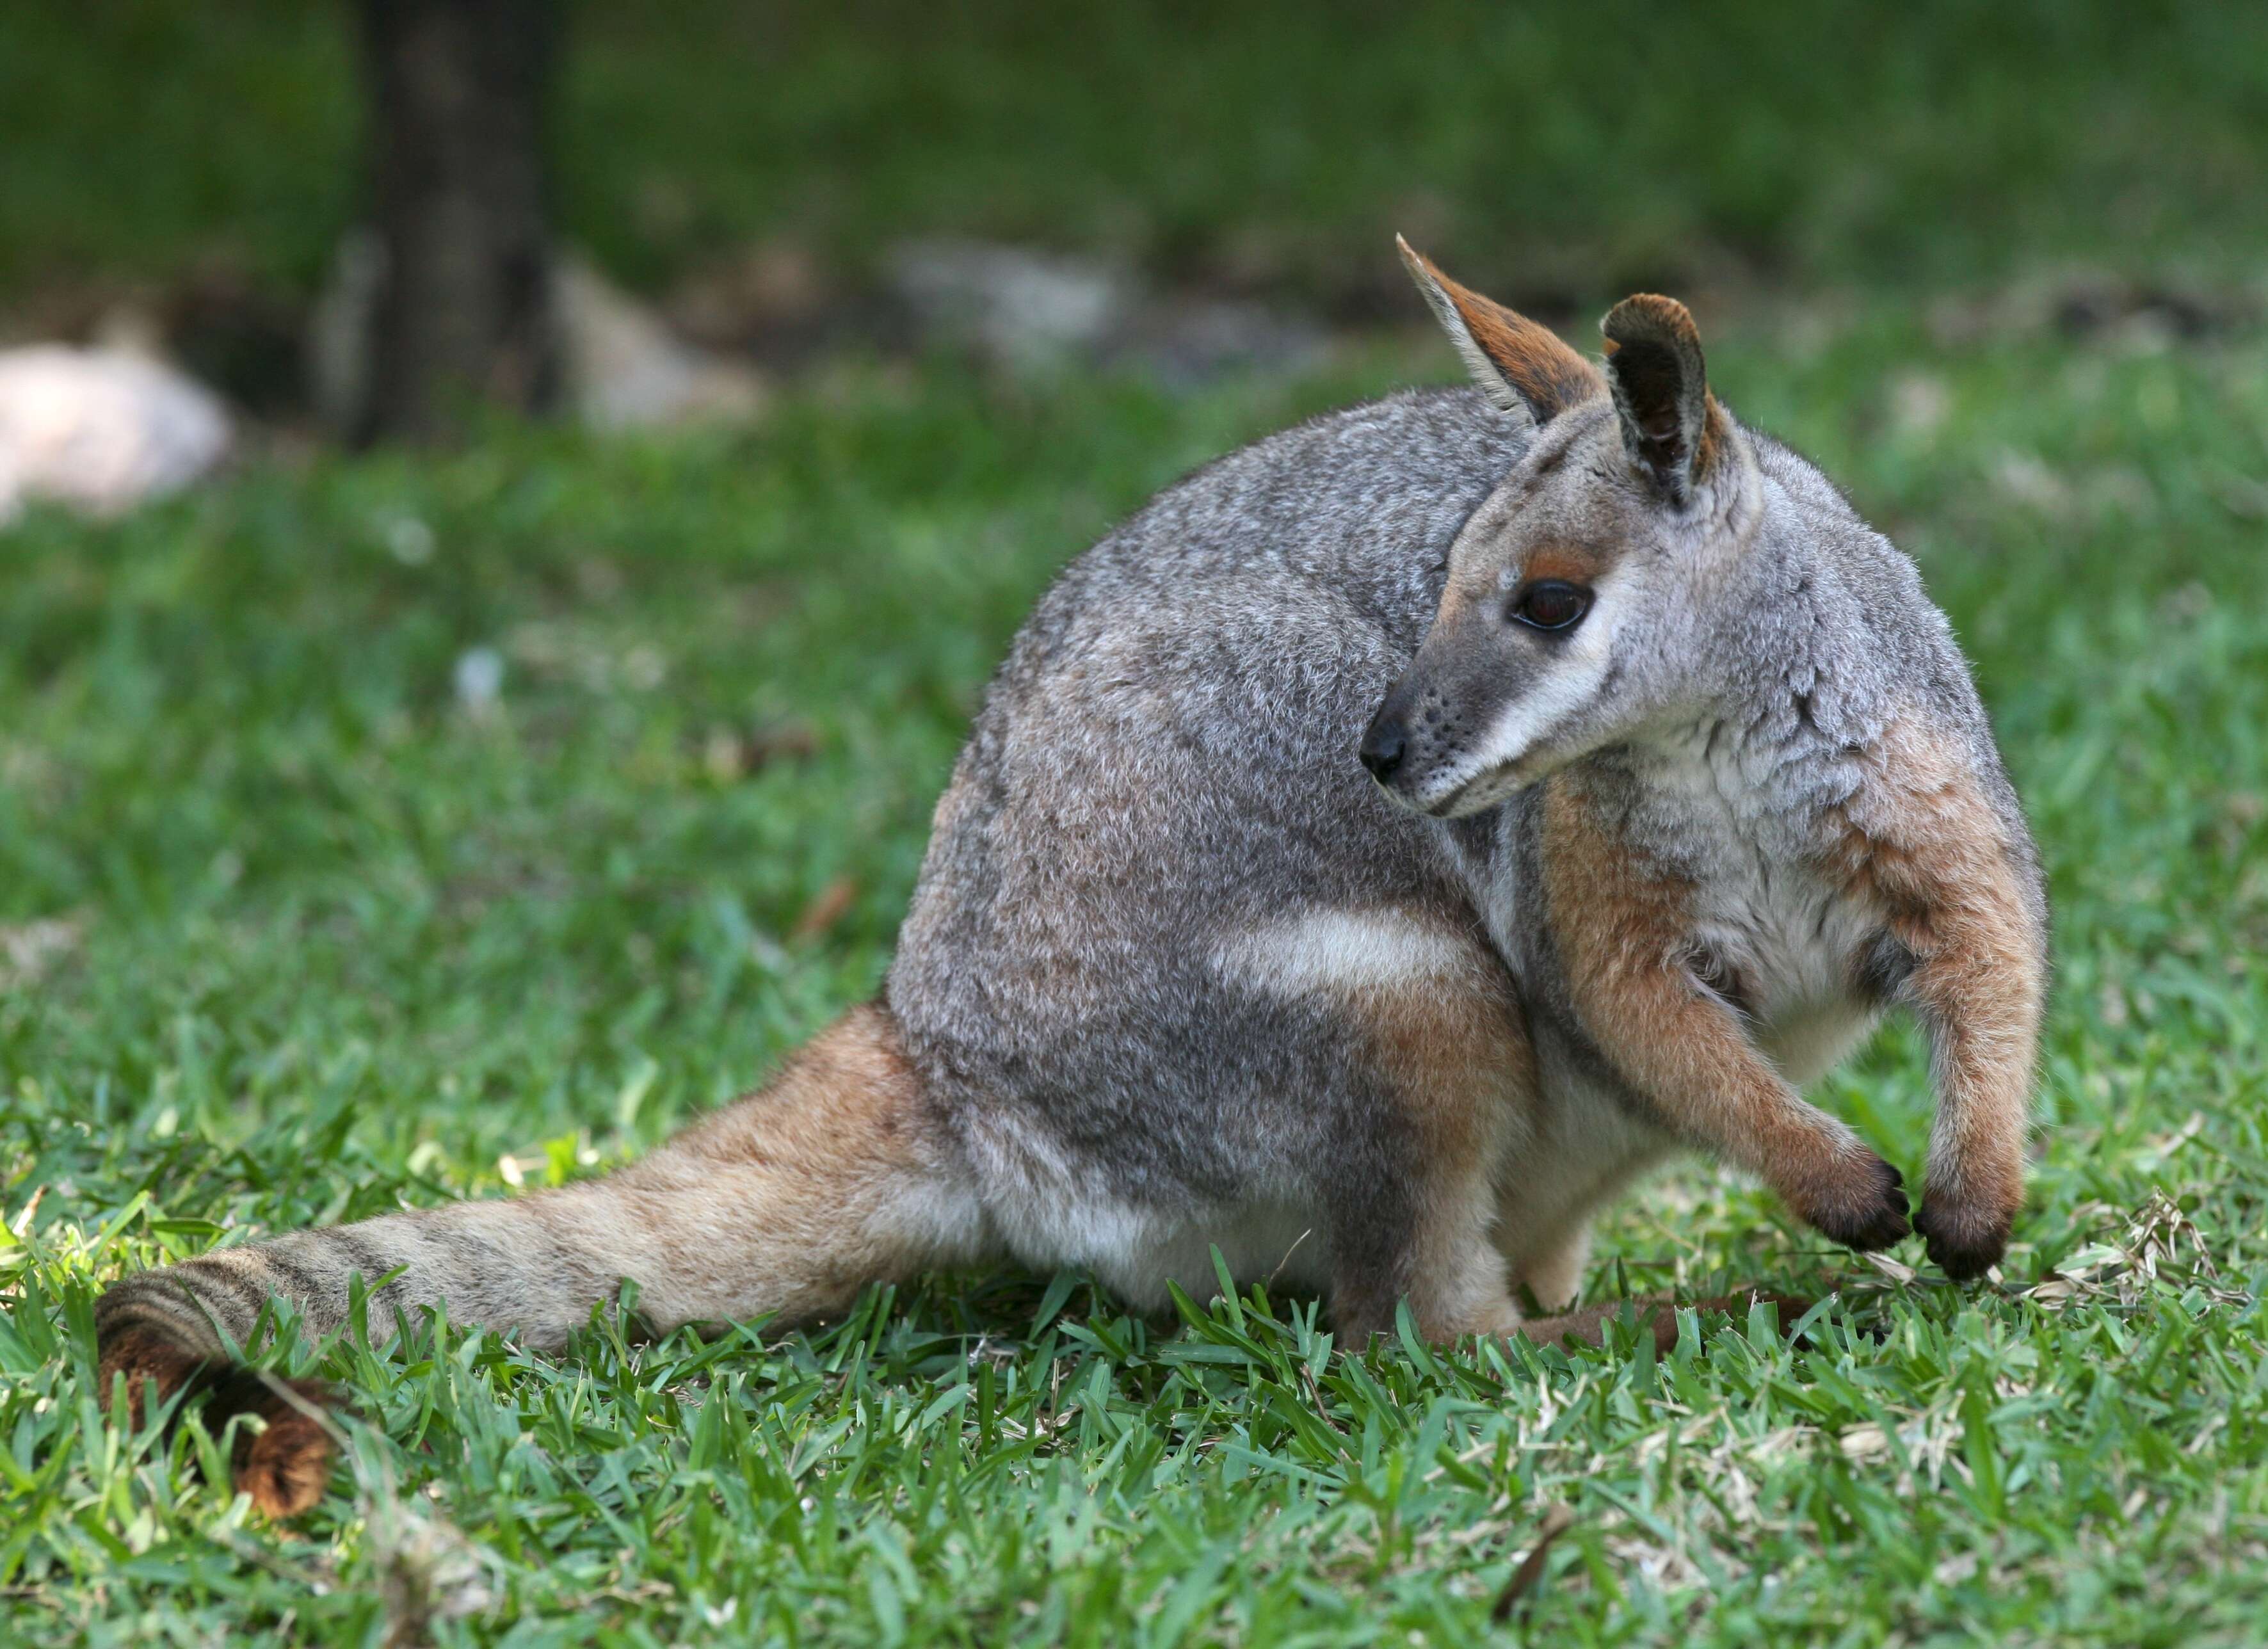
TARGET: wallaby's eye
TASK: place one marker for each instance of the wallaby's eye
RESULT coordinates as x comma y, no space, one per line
1551,604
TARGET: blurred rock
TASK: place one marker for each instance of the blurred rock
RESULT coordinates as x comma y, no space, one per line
625,368
2140,316
1028,311
759,291
2086,307
479,680
1920,402
30,950
1187,343
1021,309
2024,478
101,429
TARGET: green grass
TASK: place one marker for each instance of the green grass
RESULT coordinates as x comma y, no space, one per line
322,941
1554,149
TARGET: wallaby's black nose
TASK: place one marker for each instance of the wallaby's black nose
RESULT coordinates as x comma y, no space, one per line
1381,746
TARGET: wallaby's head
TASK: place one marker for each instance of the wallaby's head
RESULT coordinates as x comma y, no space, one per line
1586,596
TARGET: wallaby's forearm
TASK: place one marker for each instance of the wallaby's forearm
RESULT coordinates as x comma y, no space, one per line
1696,1066
1929,848
1623,932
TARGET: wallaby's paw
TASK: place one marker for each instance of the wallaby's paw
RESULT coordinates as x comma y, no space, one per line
1966,1240
1864,1207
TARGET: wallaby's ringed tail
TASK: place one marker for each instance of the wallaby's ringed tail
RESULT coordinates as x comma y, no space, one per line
1677,781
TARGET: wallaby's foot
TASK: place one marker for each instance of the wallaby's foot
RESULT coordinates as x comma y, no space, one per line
1965,1238
282,1465
1862,1204
1554,1274
1587,1327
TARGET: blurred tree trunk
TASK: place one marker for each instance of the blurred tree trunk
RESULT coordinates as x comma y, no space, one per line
459,94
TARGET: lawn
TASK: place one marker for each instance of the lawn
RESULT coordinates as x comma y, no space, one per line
1583,150
295,929
401,827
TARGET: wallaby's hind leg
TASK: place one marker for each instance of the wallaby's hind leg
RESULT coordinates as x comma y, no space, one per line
1454,1056
1461,1071
787,1201
1571,1165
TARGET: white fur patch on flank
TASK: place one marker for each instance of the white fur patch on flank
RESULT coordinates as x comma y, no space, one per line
1345,950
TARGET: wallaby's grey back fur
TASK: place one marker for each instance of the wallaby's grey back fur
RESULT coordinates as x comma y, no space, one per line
1676,780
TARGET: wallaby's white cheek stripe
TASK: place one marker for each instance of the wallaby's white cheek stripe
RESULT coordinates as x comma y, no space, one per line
1344,950
1568,684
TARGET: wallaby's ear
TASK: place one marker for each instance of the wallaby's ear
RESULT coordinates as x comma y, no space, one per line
1522,367
1672,426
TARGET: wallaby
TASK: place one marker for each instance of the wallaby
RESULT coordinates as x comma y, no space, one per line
1675,780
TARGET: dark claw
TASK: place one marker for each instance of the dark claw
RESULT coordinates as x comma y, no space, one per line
1964,1242
1874,1219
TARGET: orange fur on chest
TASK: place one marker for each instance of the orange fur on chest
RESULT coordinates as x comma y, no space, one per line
1620,923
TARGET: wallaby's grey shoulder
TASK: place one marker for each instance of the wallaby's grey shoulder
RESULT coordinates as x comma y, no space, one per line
1203,670
1841,576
